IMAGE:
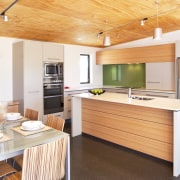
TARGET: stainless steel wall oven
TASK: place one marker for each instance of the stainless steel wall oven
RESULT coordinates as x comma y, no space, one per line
53,97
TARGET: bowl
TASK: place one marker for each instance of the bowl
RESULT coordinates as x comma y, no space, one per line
12,116
96,91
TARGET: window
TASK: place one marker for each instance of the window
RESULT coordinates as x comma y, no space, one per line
84,68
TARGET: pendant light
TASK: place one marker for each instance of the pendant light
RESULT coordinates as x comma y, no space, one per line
157,31
107,41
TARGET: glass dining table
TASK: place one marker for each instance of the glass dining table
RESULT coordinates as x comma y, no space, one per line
17,142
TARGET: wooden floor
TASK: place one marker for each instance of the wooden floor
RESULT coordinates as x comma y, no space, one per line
94,159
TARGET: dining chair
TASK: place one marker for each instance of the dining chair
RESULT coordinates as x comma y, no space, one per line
31,114
43,162
6,169
55,122
52,121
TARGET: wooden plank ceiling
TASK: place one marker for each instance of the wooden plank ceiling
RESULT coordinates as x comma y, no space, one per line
79,21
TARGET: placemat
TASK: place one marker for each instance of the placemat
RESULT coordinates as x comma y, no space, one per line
5,138
27,133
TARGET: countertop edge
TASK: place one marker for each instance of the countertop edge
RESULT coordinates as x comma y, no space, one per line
160,103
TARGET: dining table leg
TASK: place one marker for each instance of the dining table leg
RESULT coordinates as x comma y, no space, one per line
68,160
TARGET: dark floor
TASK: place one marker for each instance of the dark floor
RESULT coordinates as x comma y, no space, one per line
94,159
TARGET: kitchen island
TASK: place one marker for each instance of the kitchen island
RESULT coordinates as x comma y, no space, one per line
149,126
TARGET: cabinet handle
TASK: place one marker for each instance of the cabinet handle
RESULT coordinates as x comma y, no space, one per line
31,92
52,96
54,59
153,82
157,95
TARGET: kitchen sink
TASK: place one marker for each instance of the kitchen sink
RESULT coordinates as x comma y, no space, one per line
141,98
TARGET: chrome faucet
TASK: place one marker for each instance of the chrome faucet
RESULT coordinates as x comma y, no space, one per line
129,93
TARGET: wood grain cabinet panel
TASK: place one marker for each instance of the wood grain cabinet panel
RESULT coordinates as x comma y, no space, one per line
158,53
147,130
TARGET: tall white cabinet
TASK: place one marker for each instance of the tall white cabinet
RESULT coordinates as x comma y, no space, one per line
28,75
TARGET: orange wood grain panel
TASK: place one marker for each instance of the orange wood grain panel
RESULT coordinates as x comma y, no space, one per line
158,53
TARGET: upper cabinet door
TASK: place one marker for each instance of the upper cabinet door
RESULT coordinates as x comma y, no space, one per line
53,52
160,76
33,71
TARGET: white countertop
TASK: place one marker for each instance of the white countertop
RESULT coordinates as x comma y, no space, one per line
118,87
160,103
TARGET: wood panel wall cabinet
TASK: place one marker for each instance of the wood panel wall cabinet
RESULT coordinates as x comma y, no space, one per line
160,76
148,130
53,52
158,53
28,75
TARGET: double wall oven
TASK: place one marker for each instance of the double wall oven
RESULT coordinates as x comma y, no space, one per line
53,90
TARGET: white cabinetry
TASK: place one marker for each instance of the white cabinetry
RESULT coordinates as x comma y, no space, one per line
161,94
28,75
160,76
140,92
155,93
67,101
53,52
117,90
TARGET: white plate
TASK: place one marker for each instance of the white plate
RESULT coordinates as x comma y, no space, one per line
13,119
32,129
1,135
31,124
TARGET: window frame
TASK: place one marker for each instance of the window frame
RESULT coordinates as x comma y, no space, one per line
88,69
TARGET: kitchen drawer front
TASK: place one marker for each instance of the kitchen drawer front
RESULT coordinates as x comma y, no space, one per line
147,130
143,113
140,127
145,145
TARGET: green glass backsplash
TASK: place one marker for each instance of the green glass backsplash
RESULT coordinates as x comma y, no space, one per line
128,75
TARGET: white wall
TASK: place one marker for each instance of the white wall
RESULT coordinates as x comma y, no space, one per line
6,68
71,64
168,38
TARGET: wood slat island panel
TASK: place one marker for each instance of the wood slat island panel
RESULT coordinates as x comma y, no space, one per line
145,129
